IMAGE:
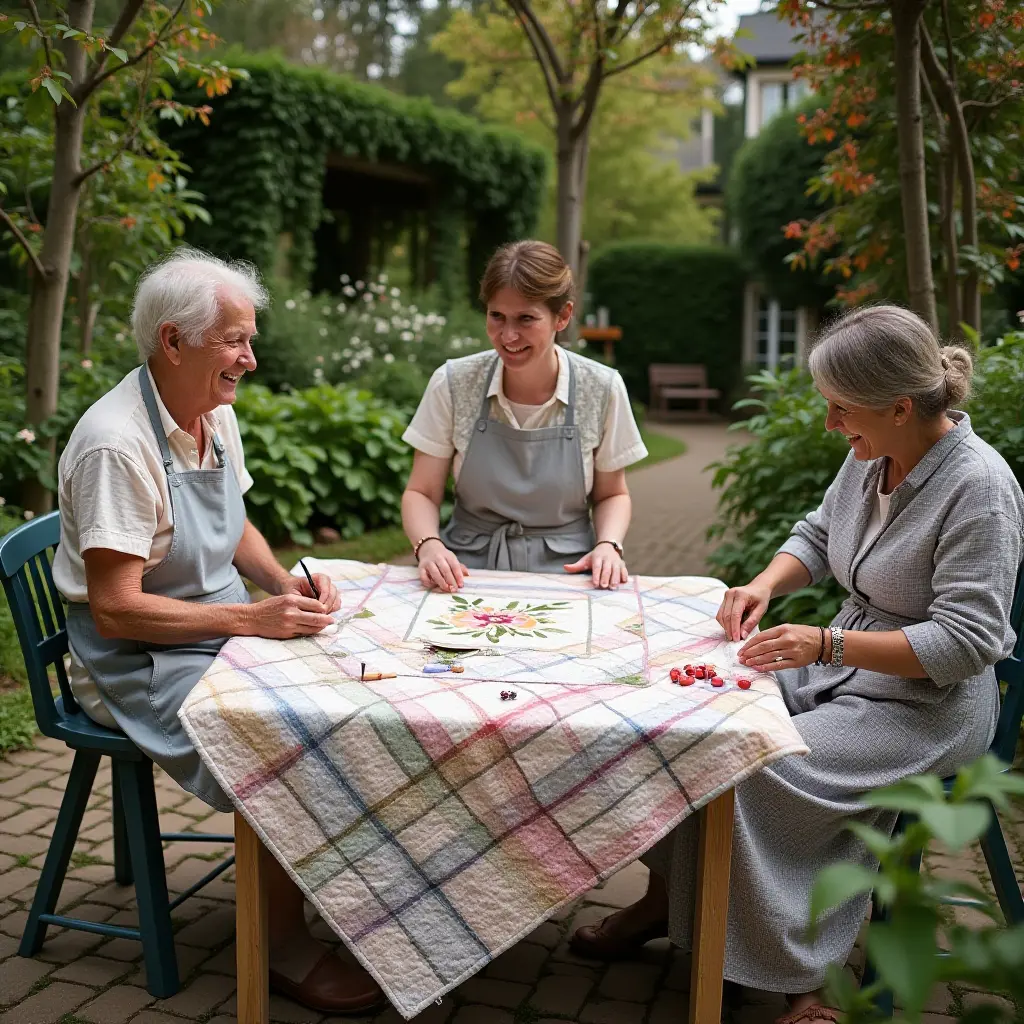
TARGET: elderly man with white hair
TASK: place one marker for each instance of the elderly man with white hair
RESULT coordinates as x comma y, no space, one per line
154,545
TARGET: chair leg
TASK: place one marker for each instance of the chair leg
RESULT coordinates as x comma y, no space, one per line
65,832
1000,867
134,779
122,855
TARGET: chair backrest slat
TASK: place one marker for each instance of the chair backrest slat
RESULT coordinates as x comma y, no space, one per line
1010,674
38,614
694,374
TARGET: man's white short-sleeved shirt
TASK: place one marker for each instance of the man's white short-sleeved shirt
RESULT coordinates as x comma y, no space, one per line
111,485
433,426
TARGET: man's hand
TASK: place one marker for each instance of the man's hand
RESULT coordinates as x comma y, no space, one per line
287,616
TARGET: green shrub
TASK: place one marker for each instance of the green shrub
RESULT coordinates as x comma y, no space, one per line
323,456
675,304
370,337
771,482
775,479
767,190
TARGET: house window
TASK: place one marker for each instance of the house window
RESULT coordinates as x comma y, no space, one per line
775,336
777,96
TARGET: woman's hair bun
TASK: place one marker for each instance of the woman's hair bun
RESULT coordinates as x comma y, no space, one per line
959,368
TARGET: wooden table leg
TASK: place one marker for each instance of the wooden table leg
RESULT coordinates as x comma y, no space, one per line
251,935
711,914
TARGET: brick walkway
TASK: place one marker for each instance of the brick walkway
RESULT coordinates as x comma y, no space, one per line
81,978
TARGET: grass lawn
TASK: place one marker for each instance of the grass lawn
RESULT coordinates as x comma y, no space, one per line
17,723
659,447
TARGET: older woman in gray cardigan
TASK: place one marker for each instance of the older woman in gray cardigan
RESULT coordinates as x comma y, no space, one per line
923,527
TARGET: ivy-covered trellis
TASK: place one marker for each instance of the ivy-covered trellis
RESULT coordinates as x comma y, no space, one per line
311,173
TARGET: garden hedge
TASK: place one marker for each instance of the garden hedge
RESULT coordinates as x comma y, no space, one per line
675,304
261,164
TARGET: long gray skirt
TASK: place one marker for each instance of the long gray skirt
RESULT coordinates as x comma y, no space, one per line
791,817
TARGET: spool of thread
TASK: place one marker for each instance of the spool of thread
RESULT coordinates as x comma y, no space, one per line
434,668
458,668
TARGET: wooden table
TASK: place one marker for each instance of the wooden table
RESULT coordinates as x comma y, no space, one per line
714,856
607,335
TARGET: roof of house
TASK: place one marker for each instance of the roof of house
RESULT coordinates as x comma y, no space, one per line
768,40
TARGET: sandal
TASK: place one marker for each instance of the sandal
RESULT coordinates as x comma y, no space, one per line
816,1011
594,942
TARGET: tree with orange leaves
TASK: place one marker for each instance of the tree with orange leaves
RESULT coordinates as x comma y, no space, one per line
78,72
967,110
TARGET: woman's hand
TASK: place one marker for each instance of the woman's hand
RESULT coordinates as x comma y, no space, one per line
606,565
781,647
329,596
440,567
742,609
286,616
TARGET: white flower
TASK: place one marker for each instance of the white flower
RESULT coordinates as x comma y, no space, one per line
345,353
381,327
26,435
348,367
383,278
306,294
326,310
86,364
119,336
360,285
388,357
407,335
441,321
323,332
349,291
319,359
413,309
367,297
289,304
456,343
29,513
344,279
318,375
395,292
430,318
341,307
3,501
336,357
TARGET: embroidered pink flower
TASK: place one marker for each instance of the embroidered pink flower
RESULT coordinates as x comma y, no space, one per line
485,616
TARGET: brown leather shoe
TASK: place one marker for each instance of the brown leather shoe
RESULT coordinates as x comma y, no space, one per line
596,942
332,986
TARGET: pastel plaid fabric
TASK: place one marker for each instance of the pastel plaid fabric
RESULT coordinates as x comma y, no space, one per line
434,825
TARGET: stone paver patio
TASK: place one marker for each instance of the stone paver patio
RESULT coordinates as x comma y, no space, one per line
80,977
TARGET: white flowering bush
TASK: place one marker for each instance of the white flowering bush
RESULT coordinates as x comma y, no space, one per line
370,336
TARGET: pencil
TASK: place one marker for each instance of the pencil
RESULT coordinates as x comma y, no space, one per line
312,585
372,676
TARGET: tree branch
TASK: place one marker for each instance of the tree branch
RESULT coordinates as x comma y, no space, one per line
668,39
31,5
864,5
129,140
538,52
523,8
128,14
16,231
591,91
950,59
98,79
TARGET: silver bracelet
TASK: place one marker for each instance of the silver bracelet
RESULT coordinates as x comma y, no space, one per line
837,647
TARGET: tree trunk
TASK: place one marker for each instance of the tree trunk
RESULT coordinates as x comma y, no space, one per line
947,191
960,144
572,155
49,291
906,20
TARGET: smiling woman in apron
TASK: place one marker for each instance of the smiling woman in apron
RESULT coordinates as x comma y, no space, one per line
154,543
538,439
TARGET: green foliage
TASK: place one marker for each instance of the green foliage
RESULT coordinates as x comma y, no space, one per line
773,481
322,456
675,304
995,407
262,164
767,190
905,950
374,338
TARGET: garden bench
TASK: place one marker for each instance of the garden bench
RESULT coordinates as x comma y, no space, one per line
680,381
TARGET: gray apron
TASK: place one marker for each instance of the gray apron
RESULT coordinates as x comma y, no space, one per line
143,684
521,498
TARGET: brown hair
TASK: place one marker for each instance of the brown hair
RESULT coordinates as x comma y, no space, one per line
876,354
534,269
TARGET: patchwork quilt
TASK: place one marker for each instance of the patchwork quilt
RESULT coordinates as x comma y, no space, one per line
434,824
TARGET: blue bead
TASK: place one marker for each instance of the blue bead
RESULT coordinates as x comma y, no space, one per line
435,668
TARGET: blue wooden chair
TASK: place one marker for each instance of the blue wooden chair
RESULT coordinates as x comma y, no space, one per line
25,556
1010,673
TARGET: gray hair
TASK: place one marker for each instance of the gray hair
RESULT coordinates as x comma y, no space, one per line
877,354
182,289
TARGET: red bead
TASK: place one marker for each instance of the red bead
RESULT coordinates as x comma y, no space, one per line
674,675
717,681
743,684
699,672
686,681
689,670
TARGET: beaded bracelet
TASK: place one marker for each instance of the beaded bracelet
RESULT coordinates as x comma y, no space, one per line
420,543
